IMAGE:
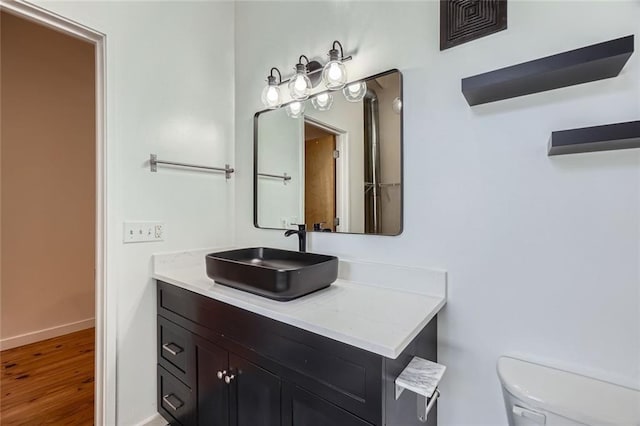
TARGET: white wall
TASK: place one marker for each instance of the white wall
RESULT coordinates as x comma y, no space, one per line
542,253
169,92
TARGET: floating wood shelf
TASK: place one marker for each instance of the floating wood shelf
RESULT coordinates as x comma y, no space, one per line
591,63
598,138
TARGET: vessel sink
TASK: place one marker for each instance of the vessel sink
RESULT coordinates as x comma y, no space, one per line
277,274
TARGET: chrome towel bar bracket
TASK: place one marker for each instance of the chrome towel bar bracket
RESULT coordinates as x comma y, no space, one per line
153,163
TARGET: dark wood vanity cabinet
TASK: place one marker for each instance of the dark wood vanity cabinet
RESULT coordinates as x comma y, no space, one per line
219,365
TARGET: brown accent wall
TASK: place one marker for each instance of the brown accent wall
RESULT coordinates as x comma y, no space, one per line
47,145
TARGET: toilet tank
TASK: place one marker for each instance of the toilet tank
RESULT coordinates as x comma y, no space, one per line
538,395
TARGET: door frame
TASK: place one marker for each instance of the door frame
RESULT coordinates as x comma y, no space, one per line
342,170
105,334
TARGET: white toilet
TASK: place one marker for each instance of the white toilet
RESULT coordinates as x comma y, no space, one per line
538,395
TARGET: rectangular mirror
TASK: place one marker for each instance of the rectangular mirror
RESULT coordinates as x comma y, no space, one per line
336,166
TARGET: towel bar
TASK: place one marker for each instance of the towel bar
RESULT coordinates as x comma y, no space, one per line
153,163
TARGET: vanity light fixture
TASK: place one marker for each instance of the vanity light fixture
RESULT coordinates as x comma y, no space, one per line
295,109
322,102
334,74
355,92
308,75
271,96
300,85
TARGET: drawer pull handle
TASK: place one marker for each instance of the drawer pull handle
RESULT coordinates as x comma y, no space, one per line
172,348
228,379
173,405
221,374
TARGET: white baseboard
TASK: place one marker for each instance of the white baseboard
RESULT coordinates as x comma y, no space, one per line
155,420
47,333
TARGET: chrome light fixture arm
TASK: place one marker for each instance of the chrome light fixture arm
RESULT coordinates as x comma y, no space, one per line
314,69
333,53
272,78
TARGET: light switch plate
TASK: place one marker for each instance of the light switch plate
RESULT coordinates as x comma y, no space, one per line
142,232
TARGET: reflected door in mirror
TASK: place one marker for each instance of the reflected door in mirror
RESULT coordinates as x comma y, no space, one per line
320,179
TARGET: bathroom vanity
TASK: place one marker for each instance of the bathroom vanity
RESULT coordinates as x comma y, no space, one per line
227,357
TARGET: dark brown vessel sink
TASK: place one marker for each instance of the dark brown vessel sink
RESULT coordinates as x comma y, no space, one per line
277,274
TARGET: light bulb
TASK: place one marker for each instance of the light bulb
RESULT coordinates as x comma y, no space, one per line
322,98
354,92
272,94
334,75
300,85
396,105
271,97
322,102
295,109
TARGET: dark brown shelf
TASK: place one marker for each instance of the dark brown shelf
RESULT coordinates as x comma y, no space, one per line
597,138
591,63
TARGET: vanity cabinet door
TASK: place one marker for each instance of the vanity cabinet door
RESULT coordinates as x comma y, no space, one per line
213,391
256,392
301,408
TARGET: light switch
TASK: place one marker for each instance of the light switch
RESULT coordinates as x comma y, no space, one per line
140,232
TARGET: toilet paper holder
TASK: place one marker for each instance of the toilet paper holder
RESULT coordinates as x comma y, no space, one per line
421,377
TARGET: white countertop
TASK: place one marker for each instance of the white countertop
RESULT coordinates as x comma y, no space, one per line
380,316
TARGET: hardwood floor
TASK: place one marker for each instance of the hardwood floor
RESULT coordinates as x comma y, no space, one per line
49,382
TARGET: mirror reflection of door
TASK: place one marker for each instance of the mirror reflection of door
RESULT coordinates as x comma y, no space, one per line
320,178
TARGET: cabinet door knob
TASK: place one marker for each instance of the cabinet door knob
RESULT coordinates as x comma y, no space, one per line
228,379
175,404
221,374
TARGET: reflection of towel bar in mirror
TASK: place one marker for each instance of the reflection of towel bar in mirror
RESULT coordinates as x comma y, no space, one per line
153,163
369,186
285,177
383,184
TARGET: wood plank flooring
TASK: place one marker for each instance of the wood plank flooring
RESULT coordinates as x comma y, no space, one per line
49,382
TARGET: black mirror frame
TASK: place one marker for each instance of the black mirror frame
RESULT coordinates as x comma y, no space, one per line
402,177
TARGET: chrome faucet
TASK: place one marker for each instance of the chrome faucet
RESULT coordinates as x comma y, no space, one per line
302,236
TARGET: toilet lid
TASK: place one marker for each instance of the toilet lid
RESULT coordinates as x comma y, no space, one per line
583,399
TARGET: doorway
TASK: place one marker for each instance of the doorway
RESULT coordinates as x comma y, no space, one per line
50,221
319,178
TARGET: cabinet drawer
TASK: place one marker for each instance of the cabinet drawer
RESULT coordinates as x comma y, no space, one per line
175,350
175,399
